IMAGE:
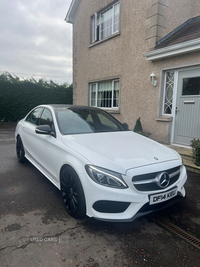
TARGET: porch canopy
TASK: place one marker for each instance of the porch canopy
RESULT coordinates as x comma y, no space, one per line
183,39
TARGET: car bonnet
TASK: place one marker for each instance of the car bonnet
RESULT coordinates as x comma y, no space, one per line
119,151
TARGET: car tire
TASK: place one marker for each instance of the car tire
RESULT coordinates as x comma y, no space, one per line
72,193
20,150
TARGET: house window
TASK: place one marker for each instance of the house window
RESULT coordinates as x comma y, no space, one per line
169,90
105,23
191,86
105,94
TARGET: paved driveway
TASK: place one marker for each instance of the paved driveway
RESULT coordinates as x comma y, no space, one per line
35,230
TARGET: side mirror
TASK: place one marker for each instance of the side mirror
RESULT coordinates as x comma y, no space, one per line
125,125
44,129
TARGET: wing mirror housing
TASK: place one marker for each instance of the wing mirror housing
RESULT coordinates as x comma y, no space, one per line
125,125
45,130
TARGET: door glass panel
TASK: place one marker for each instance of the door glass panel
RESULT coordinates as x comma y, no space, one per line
169,88
116,18
191,86
46,118
93,95
116,94
34,115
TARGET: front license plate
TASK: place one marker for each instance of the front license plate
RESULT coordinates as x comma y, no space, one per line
158,198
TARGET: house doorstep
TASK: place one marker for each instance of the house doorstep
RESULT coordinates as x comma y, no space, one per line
187,158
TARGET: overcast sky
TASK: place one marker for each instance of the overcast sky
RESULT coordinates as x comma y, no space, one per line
35,40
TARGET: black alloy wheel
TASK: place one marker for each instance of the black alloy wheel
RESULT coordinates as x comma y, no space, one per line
72,193
20,150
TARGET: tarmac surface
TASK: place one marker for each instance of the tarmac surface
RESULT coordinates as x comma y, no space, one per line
35,229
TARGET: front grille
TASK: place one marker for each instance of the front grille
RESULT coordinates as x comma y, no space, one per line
148,182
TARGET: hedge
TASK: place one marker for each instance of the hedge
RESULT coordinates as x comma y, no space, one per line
18,97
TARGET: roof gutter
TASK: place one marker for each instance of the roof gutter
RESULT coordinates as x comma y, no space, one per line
173,50
71,12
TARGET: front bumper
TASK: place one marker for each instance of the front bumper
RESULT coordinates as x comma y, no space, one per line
147,209
109,204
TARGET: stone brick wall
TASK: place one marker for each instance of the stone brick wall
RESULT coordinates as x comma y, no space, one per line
142,24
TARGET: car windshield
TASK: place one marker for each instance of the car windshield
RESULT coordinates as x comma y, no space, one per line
78,121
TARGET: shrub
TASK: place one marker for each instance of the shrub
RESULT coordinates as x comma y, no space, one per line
138,129
138,126
195,144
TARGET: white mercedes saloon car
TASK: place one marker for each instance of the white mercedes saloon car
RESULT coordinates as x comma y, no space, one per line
102,169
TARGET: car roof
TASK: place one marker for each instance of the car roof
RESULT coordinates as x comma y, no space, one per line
65,106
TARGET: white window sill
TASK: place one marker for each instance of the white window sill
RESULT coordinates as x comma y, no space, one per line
105,39
164,118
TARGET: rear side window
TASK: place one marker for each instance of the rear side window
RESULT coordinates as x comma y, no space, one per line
34,115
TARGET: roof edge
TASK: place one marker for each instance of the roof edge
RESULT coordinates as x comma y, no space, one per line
71,12
173,50
176,30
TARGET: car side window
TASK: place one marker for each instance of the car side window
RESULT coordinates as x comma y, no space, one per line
46,118
34,115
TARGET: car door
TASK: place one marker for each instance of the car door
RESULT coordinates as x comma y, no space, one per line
47,157
28,135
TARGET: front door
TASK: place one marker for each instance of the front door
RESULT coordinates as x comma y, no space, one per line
187,114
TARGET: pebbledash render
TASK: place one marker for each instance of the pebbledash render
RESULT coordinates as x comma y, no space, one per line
140,59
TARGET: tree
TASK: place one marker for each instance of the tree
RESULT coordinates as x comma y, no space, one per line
18,97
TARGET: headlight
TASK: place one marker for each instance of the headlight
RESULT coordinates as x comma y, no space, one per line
181,159
105,177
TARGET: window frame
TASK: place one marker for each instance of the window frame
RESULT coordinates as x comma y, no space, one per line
96,21
30,114
112,108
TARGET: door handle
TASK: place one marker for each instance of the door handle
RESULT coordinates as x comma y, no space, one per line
176,110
